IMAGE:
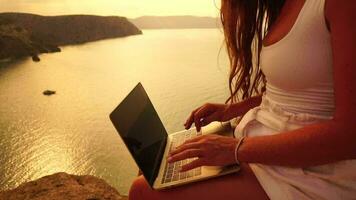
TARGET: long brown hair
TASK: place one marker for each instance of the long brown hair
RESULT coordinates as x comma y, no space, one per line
245,23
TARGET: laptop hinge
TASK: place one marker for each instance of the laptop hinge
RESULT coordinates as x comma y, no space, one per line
158,161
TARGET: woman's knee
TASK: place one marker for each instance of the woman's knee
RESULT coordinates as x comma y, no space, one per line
139,188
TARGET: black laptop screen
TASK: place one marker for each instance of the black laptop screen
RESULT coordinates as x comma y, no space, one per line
140,127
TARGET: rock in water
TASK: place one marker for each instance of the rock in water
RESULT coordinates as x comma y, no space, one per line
62,186
35,58
49,92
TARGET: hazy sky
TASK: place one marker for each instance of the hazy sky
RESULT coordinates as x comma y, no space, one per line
128,8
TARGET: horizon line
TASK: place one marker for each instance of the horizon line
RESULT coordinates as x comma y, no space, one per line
183,15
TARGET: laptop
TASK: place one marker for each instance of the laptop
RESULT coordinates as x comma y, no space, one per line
143,133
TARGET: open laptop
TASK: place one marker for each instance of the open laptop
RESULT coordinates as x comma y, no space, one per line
143,133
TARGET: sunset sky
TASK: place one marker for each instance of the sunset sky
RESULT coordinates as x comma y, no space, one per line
128,8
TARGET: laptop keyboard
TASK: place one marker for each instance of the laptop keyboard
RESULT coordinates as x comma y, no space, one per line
171,172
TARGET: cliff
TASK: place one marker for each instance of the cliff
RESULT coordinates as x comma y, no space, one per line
16,41
28,34
175,22
63,186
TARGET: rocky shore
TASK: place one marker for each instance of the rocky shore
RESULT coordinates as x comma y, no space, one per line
62,186
24,34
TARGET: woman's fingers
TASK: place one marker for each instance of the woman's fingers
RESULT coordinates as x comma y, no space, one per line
207,120
194,139
193,145
190,153
199,114
203,112
190,119
197,122
194,164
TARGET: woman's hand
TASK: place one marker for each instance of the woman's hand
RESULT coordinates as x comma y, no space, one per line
210,150
210,112
206,114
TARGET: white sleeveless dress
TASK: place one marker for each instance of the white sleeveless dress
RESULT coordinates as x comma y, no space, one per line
299,92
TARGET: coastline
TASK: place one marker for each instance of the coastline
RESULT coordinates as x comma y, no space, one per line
23,35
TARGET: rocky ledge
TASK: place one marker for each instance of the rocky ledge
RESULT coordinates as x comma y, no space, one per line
62,186
23,34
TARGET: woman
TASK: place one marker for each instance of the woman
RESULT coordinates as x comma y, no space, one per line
298,121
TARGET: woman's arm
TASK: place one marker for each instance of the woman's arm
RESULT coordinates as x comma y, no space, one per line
241,108
330,141
209,112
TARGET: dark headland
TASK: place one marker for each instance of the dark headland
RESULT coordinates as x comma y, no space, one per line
24,34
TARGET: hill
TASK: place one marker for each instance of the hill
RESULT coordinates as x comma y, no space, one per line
28,34
175,22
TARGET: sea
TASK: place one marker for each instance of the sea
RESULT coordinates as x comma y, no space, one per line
70,131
